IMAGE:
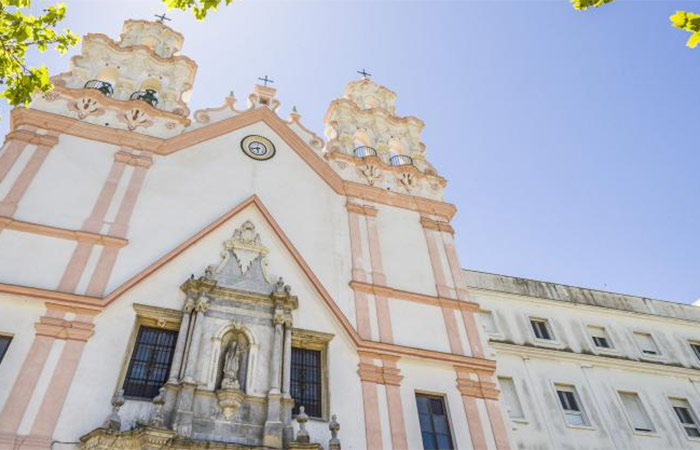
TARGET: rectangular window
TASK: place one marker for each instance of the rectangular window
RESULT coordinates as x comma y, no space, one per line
571,405
686,416
434,426
696,349
306,381
541,328
600,337
636,412
488,322
4,344
150,362
646,343
510,398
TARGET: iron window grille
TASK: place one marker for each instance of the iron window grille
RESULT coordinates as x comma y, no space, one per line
149,96
401,160
364,151
150,362
306,381
541,329
4,344
434,426
102,86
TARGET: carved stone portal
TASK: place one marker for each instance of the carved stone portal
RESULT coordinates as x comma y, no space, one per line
229,379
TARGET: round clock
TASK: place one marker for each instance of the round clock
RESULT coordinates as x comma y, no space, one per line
258,147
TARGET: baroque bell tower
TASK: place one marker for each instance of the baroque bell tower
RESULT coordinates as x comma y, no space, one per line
370,144
138,83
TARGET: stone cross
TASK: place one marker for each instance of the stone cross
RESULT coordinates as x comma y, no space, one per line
266,80
162,18
365,74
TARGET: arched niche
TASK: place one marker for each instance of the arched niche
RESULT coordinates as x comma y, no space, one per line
248,347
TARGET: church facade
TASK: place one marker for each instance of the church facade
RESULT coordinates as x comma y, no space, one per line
228,279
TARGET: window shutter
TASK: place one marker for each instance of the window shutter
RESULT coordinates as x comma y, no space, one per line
510,397
637,414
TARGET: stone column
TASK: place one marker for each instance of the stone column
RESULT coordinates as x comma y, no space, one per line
287,365
272,436
276,354
181,341
185,398
287,401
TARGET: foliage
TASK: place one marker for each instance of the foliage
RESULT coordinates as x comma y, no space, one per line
688,22
585,4
199,8
20,31
684,20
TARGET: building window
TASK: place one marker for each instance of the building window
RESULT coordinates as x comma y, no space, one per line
306,381
686,416
571,405
541,329
646,343
600,337
488,322
636,412
309,372
4,344
150,362
434,426
510,398
696,349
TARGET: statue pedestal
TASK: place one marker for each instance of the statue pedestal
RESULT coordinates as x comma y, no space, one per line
302,446
229,401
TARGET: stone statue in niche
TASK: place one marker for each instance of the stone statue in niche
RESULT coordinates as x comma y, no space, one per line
232,366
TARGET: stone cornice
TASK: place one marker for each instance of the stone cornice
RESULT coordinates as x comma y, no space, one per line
500,295
526,351
436,225
365,210
65,298
159,146
64,329
62,233
413,296
380,375
32,138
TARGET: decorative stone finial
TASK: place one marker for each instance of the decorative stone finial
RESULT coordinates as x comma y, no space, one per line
334,426
114,422
157,418
302,434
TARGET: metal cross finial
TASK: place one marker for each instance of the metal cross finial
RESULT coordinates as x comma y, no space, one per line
162,18
365,74
266,80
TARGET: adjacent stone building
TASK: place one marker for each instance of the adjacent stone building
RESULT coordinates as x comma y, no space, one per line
229,279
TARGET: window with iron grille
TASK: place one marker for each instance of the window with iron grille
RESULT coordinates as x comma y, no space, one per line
307,381
434,426
150,362
4,344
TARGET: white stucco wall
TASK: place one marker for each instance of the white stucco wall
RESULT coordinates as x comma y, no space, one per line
572,359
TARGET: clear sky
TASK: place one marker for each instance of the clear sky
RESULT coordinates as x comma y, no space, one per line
569,139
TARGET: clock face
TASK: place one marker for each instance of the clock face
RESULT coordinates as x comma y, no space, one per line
258,147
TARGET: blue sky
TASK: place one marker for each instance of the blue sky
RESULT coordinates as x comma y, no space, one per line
569,139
